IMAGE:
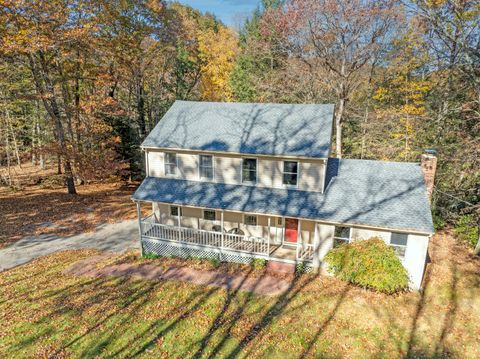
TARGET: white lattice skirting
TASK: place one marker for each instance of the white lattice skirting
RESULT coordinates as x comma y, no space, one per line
172,249
181,250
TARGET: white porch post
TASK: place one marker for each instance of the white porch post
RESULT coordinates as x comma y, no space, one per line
221,228
179,224
269,236
299,237
316,249
140,231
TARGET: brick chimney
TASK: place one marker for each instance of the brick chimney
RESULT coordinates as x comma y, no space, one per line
429,167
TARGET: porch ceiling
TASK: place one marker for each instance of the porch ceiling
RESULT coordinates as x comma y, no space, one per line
378,197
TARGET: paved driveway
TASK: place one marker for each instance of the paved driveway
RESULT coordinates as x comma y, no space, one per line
115,237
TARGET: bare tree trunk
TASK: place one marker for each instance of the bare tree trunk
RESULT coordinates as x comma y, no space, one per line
367,108
364,131
7,149
14,138
46,89
141,109
338,126
40,146
34,139
59,164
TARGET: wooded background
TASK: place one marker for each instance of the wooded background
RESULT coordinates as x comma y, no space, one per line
83,82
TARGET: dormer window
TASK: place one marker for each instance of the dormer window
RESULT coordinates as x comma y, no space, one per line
290,173
206,167
249,170
171,164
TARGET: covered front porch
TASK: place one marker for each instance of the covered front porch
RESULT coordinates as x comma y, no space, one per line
184,231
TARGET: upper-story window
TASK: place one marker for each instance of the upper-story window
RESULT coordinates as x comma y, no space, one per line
171,166
399,242
206,167
290,173
249,170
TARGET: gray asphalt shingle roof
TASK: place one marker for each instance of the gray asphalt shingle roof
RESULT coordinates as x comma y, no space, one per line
388,195
253,128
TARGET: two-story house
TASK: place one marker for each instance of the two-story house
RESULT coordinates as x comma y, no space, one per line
236,181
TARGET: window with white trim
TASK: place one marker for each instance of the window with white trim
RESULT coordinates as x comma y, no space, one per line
174,210
170,164
341,235
290,173
209,215
249,170
399,243
206,167
250,220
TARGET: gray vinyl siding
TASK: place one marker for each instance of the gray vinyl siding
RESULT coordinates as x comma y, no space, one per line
228,169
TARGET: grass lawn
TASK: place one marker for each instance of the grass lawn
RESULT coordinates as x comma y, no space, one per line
44,312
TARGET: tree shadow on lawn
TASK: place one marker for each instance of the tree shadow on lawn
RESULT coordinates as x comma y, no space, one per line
226,334
441,291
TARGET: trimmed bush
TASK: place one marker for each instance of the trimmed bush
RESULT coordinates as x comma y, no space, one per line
369,264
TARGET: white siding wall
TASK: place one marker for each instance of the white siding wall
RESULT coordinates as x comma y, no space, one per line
362,233
325,236
155,163
311,176
228,169
188,166
415,258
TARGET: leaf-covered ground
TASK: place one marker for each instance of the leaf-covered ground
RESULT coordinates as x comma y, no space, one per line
44,311
38,210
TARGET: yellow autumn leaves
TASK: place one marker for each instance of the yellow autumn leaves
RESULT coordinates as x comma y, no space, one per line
217,51
403,93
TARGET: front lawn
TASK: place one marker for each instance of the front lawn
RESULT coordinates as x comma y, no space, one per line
44,312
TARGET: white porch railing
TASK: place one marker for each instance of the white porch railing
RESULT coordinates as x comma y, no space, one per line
228,241
305,251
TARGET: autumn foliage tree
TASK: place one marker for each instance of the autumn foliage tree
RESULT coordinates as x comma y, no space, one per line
217,48
103,74
401,96
340,39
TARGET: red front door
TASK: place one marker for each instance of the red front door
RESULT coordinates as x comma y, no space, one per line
291,230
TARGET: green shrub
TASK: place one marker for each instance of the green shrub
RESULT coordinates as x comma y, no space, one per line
370,264
300,268
466,229
215,263
438,221
258,263
150,255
